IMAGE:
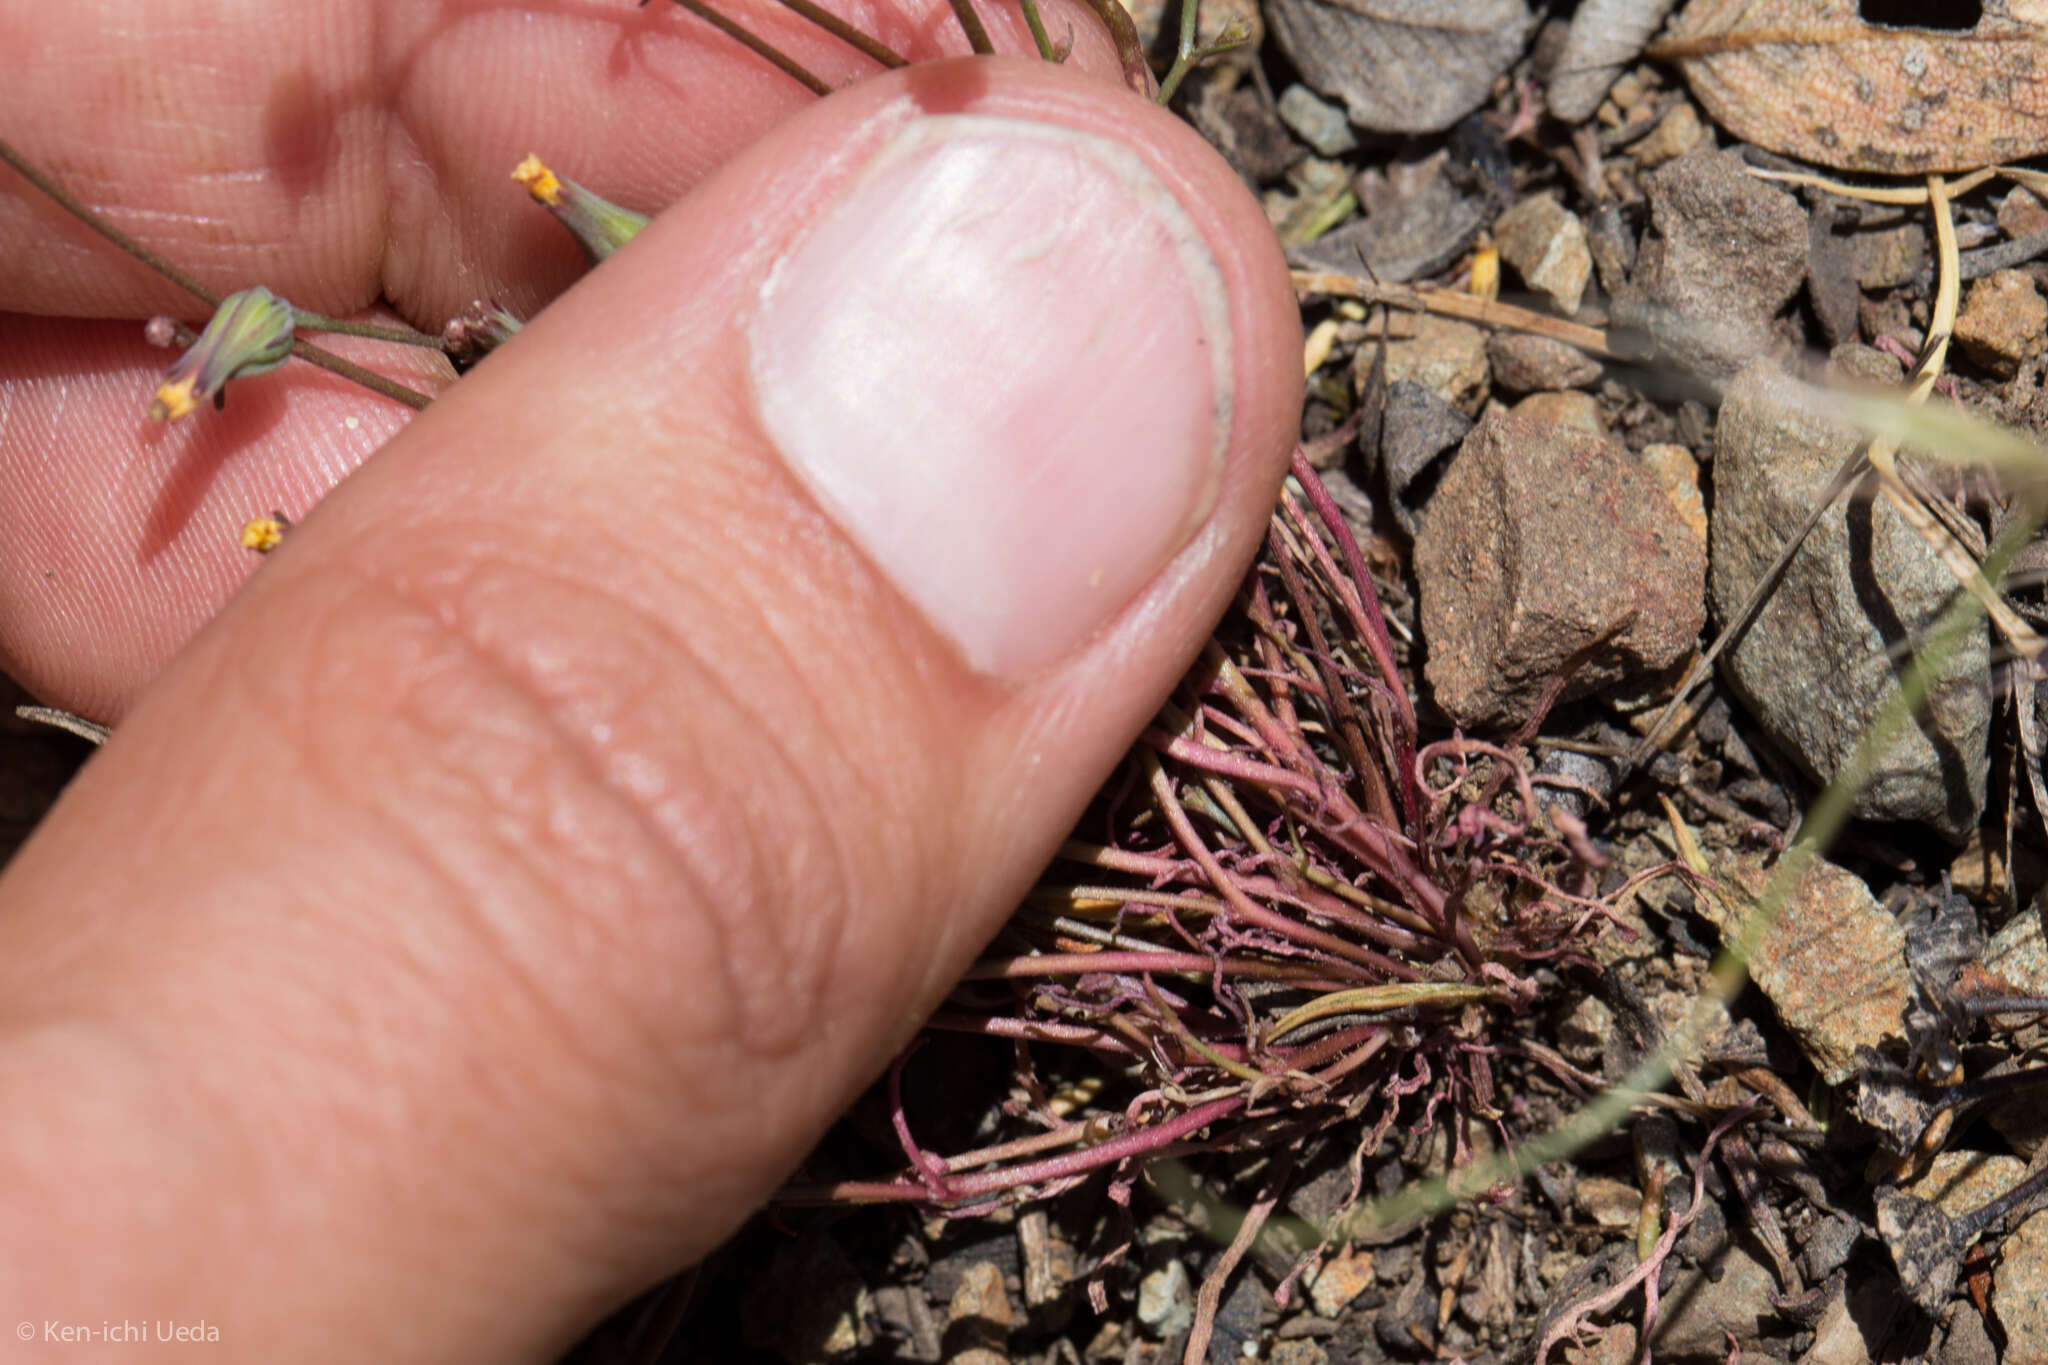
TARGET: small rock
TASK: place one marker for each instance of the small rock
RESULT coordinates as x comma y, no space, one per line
1678,474
2002,322
1540,541
1571,408
1817,665
1166,1301
1523,363
1855,1323
1968,1342
1727,252
2019,1289
1729,1295
1299,1352
2022,214
1833,963
1546,244
978,1319
1342,1278
1582,1036
1316,121
1416,430
1890,257
1445,356
1677,133
1617,1346
1607,1202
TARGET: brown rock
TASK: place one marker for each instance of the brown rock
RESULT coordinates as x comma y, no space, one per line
1832,964
1571,408
1445,356
2002,321
2022,214
1523,363
1543,542
1677,133
1546,244
1606,1202
1678,474
1342,1278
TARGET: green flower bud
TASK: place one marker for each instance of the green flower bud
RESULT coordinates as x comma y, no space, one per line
600,226
250,333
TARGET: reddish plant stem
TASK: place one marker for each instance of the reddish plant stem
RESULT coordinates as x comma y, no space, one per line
1242,906
1150,1141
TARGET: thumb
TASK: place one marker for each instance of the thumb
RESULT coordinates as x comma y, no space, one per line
496,901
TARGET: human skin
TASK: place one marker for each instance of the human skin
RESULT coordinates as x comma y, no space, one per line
480,908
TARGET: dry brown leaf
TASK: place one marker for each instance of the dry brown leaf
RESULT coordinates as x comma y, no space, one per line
1402,66
1809,78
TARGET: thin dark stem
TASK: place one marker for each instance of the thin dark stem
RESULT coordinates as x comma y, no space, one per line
369,379
398,336
760,47
844,32
77,209
970,24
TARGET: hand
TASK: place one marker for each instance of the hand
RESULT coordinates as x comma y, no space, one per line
481,912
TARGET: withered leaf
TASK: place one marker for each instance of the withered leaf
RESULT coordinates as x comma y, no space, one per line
1811,79
1402,66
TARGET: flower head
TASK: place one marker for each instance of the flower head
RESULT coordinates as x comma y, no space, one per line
250,332
599,226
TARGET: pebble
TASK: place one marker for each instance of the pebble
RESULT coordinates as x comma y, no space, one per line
1166,1301
1890,257
1445,356
1607,1202
1546,244
1678,474
1342,1278
1571,408
1726,252
1416,430
1540,540
1816,666
1525,363
978,1319
2002,322
1833,964
1316,121
2022,214
1704,1305
1677,133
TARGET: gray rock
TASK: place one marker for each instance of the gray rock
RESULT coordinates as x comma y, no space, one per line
1403,66
1443,355
1523,363
1706,1304
1316,121
1543,542
1727,251
1818,664
1417,428
1417,222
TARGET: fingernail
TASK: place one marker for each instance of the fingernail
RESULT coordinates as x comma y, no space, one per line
1002,362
